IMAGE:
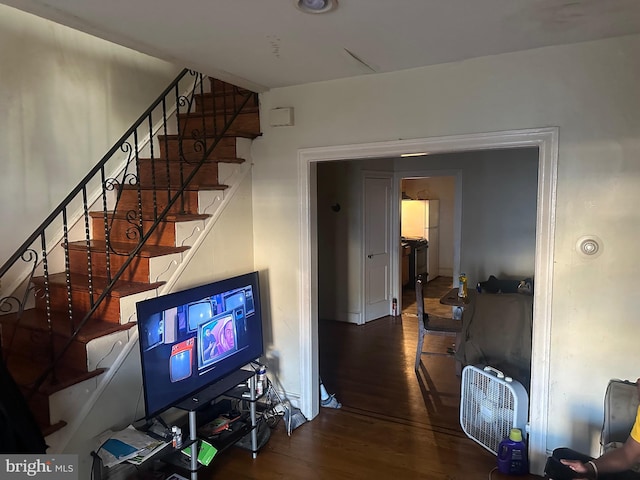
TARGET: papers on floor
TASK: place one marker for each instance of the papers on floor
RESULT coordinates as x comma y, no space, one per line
128,445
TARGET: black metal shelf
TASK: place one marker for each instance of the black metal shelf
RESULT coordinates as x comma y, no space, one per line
232,386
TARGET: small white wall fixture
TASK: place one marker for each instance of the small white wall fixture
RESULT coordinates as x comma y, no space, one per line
546,140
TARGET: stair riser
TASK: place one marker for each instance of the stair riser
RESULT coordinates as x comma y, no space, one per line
218,85
211,125
207,174
36,345
137,271
65,404
109,309
206,102
129,201
164,234
170,148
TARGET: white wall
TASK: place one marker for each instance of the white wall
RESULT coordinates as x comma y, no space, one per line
228,250
65,98
589,91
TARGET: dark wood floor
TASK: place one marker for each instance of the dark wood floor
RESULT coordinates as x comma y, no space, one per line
393,424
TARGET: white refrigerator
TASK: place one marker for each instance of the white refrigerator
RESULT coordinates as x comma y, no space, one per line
420,218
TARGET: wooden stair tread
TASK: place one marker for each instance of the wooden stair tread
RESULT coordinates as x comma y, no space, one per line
34,319
162,161
192,187
229,110
25,371
219,91
80,282
220,88
147,251
169,218
228,133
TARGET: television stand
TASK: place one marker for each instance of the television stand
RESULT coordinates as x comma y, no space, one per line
228,387
206,396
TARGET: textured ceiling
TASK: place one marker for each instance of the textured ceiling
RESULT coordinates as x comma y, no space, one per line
263,44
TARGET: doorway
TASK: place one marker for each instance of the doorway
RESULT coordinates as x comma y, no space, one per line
429,211
546,141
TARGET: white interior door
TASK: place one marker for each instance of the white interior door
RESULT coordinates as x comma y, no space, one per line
377,245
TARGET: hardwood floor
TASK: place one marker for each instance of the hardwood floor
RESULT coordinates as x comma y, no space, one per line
393,424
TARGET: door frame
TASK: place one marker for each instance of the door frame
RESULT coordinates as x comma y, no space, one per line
546,140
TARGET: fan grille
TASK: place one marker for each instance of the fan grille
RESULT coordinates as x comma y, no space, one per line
487,409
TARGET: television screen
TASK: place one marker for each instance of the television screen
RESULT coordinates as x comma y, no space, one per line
193,338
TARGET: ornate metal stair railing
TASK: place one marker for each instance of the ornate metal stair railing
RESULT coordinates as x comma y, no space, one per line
37,258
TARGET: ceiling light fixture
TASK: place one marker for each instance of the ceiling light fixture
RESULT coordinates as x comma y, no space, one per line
317,6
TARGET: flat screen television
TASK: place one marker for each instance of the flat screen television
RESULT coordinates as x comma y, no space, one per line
191,339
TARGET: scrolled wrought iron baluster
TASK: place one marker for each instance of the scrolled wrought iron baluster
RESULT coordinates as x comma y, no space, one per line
199,146
12,303
180,102
113,184
225,107
165,138
203,117
126,174
136,230
214,105
9,304
134,180
47,298
186,101
67,268
108,185
87,239
153,167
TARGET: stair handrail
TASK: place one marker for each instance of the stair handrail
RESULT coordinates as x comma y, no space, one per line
27,252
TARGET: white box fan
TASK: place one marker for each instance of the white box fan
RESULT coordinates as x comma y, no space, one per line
491,405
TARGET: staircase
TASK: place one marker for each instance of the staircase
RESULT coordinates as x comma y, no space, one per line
118,236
